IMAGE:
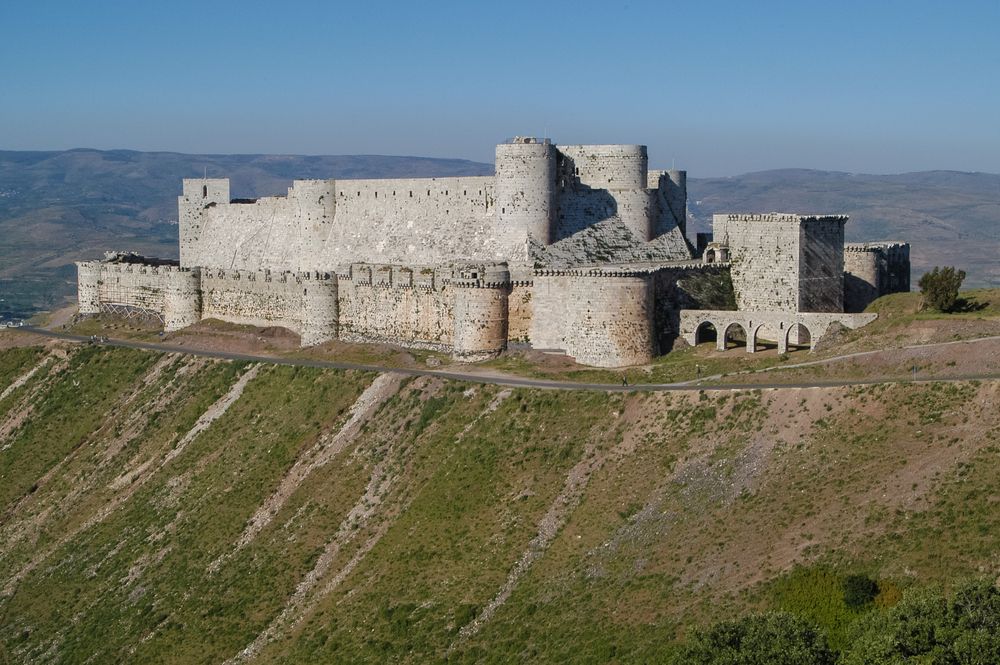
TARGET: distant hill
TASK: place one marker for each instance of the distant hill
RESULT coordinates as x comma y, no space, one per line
59,207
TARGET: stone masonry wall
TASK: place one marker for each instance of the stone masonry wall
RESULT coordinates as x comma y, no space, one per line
784,262
256,298
324,225
821,264
134,285
764,255
872,270
382,303
600,318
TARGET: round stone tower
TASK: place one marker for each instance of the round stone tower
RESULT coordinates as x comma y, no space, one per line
480,315
525,187
88,290
181,298
320,309
621,172
676,195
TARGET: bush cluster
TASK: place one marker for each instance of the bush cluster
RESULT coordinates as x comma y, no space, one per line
940,286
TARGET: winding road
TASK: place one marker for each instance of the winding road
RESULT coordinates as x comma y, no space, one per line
703,383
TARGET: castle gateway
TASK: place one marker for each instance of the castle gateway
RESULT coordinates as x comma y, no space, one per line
576,248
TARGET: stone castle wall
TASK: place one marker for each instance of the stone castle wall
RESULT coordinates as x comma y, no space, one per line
872,270
600,318
256,298
577,247
541,195
821,264
784,262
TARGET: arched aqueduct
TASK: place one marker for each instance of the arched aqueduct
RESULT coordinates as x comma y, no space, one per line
785,328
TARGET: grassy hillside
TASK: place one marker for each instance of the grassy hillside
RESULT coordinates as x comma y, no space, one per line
160,508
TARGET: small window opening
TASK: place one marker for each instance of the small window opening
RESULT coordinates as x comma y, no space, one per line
204,192
411,193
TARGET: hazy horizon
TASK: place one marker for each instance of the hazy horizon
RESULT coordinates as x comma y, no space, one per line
719,90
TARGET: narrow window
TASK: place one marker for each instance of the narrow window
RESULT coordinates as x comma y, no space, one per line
428,192
376,194
204,192
411,193
465,192
359,193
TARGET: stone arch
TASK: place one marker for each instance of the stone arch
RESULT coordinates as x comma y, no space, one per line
798,334
706,332
730,334
752,337
709,256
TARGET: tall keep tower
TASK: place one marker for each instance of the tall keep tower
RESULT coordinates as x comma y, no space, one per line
198,195
525,187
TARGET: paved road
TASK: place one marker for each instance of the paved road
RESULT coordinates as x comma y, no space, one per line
513,382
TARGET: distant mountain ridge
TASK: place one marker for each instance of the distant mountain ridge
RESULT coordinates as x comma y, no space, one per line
57,207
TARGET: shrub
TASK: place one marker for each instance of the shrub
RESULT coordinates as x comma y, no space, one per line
939,288
927,627
776,639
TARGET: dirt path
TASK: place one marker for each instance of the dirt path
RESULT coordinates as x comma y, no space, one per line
473,375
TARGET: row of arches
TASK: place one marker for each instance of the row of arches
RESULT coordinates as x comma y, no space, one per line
760,337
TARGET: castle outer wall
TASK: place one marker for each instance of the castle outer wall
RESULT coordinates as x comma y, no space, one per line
872,270
575,248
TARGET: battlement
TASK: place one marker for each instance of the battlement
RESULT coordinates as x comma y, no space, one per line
139,268
777,217
888,245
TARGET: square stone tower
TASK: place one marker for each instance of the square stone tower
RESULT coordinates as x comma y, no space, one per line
785,262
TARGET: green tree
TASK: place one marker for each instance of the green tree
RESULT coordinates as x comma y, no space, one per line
759,639
929,628
940,286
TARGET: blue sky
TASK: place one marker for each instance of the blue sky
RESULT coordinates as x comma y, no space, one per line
719,88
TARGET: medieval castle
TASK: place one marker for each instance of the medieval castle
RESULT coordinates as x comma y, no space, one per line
579,248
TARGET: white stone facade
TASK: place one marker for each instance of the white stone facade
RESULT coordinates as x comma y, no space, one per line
577,248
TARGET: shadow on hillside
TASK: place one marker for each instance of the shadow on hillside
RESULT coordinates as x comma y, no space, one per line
966,306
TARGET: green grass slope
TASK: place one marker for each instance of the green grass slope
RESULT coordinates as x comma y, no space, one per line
173,509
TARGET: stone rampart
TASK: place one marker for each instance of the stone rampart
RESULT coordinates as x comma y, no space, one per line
601,318
255,298
784,262
134,285
88,286
872,270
